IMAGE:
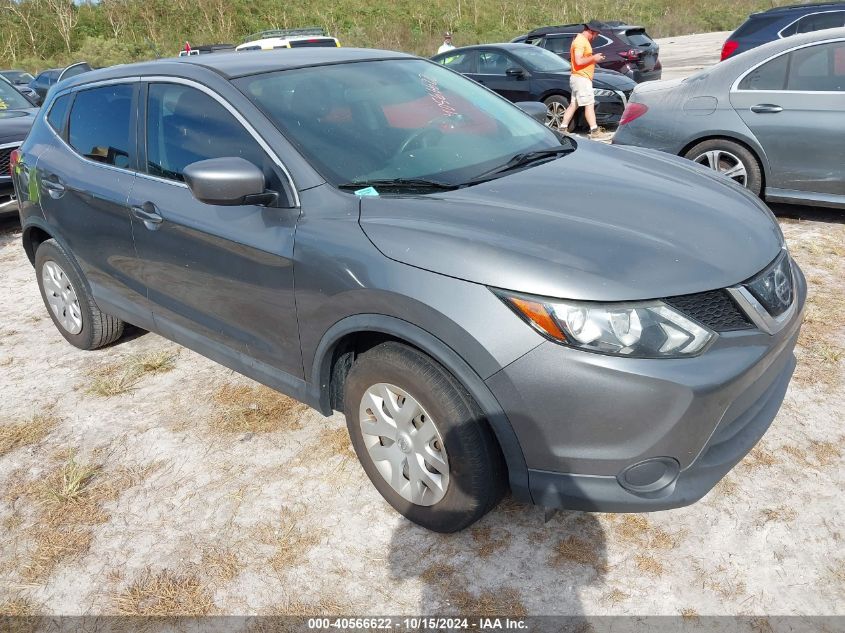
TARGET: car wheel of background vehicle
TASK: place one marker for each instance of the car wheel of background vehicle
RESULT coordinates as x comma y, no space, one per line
421,438
729,159
68,301
555,108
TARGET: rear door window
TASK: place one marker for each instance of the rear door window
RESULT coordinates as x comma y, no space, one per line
558,43
460,62
493,63
819,21
819,68
100,122
769,76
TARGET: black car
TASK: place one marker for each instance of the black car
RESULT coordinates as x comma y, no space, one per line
768,26
627,48
17,114
46,79
522,72
20,80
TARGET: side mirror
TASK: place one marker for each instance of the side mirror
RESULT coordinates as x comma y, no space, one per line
534,109
519,73
228,182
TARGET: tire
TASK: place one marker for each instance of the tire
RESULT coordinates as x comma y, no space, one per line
557,103
726,155
462,439
82,323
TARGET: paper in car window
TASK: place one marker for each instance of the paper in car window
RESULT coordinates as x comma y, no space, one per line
366,191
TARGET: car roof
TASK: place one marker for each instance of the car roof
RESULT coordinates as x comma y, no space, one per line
613,25
800,8
233,65
508,46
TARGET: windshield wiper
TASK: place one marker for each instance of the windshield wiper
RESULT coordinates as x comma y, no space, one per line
520,160
399,183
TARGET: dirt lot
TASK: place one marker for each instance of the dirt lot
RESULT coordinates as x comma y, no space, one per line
145,479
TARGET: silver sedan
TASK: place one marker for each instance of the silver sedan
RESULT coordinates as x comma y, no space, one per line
771,119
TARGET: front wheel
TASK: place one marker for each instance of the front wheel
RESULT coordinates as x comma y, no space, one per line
421,438
729,159
556,106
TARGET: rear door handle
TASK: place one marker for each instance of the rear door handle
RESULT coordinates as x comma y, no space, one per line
766,108
148,214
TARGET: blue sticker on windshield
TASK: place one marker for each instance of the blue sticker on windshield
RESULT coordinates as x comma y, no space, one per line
366,191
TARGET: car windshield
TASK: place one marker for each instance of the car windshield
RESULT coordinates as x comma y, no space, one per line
537,58
394,120
18,76
11,99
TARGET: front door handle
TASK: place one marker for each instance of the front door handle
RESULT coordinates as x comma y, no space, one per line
766,108
148,214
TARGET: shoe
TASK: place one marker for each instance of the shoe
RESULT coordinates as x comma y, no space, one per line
600,134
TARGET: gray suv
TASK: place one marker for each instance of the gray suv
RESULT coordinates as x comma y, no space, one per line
372,233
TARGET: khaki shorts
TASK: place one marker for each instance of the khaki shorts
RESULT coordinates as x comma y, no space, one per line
582,90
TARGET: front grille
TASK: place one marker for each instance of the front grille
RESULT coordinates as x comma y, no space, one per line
715,309
5,153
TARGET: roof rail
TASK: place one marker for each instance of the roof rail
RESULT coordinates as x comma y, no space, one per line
802,5
310,30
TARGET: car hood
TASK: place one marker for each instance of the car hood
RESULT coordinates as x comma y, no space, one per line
15,124
603,223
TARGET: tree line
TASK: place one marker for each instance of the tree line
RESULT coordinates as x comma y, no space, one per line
38,34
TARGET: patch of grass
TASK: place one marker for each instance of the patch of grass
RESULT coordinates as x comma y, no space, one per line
17,434
164,593
17,607
502,602
575,550
615,597
780,514
689,615
638,530
248,409
291,540
155,362
826,453
797,454
113,380
486,543
221,564
438,574
649,564
721,580
759,458
70,503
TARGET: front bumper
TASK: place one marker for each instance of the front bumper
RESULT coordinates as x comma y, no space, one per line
584,419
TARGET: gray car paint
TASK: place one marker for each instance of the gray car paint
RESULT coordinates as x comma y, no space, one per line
707,105
276,293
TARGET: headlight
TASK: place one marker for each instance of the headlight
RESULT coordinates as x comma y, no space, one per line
648,329
600,92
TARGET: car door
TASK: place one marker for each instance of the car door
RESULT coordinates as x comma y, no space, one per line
219,278
795,106
464,62
496,71
84,181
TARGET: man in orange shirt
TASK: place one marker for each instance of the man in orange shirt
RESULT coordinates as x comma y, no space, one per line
581,81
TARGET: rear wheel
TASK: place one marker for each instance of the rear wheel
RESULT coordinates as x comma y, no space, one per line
68,301
729,159
421,438
556,106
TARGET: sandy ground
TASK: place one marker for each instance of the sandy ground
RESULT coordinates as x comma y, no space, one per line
143,478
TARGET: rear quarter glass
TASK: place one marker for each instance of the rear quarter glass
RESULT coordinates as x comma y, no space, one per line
755,25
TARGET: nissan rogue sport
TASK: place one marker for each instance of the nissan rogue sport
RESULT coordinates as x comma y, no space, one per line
372,233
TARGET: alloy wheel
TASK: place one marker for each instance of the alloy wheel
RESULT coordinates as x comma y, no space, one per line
61,297
404,443
554,115
725,163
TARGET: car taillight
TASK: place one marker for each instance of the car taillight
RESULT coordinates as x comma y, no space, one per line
729,49
631,55
14,159
633,111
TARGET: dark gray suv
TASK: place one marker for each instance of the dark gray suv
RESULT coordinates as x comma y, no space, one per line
372,233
